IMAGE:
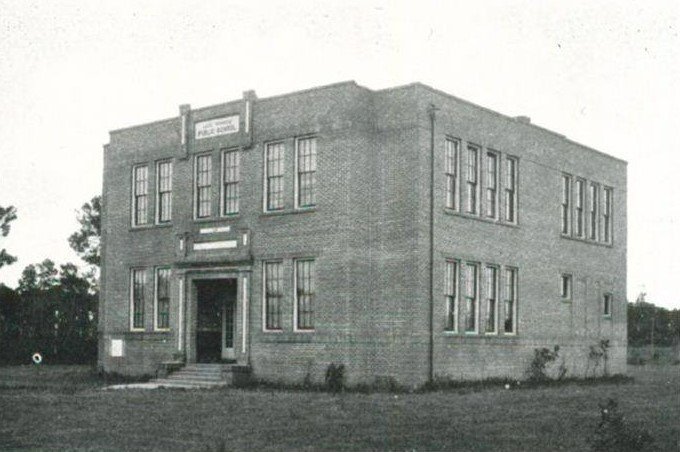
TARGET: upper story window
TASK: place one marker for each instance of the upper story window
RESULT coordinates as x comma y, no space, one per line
491,180
138,283
472,170
511,189
607,215
306,172
274,164
230,182
566,204
140,196
203,187
593,211
510,301
164,184
304,294
580,203
451,295
451,172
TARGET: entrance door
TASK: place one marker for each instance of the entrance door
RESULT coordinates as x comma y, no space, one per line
216,300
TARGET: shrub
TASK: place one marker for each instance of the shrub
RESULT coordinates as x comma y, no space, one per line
335,377
538,365
599,353
613,433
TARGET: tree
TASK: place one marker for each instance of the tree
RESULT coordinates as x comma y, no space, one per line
7,215
86,241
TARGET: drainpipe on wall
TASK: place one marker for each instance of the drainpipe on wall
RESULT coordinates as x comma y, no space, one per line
431,111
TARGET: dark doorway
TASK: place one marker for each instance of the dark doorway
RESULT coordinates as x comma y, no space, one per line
215,321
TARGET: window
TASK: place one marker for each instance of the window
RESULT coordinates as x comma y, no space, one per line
566,204
273,295
162,298
593,211
274,176
491,298
451,172
230,182
510,300
511,190
451,294
138,279
565,287
470,298
472,167
580,193
164,184
491,183
140,195
607,215
607,305
203,186
306,172
304,294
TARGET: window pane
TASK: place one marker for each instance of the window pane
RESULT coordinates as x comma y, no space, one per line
471,298
138,285
451,291
491,294
273,295
163,298
306,163
140,207
204,186
510,300
304,273
274,180
231,179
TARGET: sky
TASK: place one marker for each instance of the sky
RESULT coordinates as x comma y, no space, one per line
603,73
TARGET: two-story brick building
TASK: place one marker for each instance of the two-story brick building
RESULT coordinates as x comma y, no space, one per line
404,233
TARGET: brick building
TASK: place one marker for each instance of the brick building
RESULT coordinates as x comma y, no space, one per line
294,231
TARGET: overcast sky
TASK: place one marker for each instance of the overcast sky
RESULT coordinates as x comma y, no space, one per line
602,73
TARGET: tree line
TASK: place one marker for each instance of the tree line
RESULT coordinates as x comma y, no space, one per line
53,309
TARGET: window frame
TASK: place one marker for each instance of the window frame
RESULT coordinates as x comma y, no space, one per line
569,279
515,297
452,179
197,192
607,302
511,189
608,215
265,173
157,271
472,187
496,183
281,297
135,197
314,157
159,192
475,298
580,207
224,183
566,204
296,309
494,270
452,294
594,211
133,272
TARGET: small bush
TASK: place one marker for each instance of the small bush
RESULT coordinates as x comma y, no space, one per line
335,377
538,365
613,433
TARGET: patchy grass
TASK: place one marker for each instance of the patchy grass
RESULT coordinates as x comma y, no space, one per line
63,408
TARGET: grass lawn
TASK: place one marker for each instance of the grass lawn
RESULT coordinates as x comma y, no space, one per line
62,407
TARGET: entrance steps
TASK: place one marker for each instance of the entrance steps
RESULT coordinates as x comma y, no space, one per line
198,375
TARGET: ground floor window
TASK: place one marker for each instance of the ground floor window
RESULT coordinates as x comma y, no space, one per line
163,298
491,298
304,294
451,292
510,300
471,298
138,283
607,305
273,295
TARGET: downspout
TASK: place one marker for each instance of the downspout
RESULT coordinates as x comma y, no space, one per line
431,111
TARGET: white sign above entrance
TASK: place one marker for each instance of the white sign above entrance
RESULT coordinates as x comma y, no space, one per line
216,127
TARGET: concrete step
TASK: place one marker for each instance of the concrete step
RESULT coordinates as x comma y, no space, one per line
193,377
188,383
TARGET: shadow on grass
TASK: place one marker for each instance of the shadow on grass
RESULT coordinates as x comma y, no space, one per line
60,378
